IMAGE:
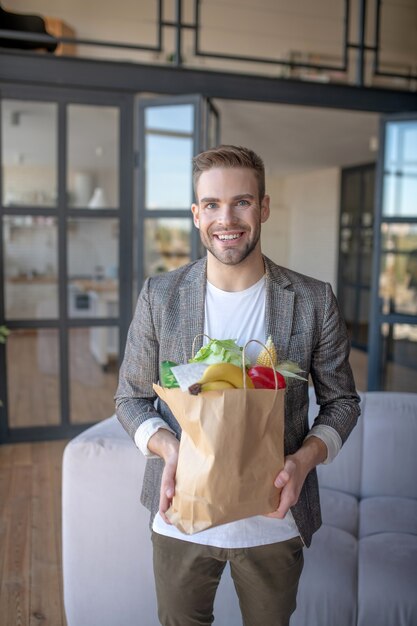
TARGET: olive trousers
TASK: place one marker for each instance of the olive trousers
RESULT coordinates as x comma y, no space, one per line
187,576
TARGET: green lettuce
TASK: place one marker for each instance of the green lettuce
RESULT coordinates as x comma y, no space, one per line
220,351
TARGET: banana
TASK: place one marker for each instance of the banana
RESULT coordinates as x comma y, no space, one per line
225,372
216,384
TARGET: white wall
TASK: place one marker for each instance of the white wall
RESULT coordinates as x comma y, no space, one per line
302,232
275,240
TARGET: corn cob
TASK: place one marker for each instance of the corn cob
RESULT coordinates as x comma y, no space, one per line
268,353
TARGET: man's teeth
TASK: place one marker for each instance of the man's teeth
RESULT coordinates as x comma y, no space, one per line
226,237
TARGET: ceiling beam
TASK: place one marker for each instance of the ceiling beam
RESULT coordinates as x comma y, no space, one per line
28,68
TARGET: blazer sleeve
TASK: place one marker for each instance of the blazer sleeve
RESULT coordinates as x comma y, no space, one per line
135,396
331,372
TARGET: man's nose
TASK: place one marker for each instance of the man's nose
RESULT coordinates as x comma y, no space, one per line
227,214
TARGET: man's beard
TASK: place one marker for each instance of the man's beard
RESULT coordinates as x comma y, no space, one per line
231,256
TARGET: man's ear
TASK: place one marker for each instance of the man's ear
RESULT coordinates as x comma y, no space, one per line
265,210
196,219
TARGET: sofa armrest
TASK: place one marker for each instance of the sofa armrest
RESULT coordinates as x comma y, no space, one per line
106,537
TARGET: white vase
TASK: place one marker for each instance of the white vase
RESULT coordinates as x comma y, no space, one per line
98,199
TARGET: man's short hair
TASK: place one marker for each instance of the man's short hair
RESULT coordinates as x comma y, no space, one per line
229,156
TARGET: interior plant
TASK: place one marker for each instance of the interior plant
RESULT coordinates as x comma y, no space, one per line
4,331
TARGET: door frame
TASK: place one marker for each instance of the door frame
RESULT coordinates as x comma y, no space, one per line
357,285
377,317
203,108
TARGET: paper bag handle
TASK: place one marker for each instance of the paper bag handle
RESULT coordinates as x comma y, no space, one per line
194,340
270,358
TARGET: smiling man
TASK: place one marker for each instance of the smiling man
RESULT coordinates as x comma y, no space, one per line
236,292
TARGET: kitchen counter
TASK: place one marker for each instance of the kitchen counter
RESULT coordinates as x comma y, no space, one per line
99,286
34,280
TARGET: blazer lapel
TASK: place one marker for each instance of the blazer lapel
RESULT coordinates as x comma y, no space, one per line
192,298
279,307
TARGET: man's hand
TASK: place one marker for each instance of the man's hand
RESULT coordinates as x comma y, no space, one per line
164,444
296,467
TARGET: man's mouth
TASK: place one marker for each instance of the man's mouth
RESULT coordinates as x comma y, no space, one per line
228,236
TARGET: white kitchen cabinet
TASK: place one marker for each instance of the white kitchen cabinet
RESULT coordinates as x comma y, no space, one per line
31,299
104,341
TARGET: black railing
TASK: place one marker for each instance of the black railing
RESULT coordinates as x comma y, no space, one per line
284,62
376,66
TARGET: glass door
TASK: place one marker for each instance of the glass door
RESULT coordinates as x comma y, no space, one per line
171,131
393,337
65,293
355,250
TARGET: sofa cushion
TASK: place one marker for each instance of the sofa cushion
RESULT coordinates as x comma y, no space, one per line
328,585
387,580
389,442
340,510
344,473
385,514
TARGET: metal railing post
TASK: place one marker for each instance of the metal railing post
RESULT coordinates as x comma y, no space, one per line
360,68
178,35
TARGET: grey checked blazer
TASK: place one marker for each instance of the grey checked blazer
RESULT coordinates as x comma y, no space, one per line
303,318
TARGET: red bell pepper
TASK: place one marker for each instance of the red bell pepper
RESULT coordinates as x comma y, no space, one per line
264,377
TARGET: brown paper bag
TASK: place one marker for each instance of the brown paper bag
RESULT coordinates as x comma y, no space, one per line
231,450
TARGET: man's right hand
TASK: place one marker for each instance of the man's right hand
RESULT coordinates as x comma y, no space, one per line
164,444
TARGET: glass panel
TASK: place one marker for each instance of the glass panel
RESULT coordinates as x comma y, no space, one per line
31,267
33,377
346,240
351,191
366,243
93,357
167,244
399,342
398,279
349,266
400,179
29,153
93,267
168,172
348,303
178,117
363,321
368,197
93,156
400,194
399,237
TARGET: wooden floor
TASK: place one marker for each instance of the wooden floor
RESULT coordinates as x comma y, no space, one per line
33,379
30,534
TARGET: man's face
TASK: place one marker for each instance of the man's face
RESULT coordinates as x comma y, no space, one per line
229,214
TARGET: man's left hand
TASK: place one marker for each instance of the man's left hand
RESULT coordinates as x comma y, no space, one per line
290,480
292,476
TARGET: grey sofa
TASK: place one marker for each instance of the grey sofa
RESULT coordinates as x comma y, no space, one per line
361,569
